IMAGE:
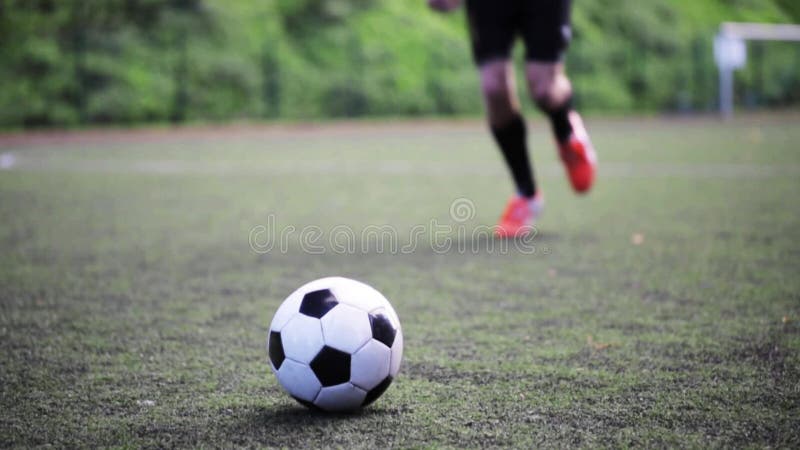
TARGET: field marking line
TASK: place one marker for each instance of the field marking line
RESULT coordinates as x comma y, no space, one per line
387,167
358,128
168,167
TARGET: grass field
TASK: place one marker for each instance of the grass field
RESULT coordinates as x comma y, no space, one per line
661,310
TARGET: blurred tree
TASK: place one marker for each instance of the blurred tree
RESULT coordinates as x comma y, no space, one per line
71,62
306,16
792,8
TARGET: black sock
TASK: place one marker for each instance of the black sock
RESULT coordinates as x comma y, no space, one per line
559,119
511,138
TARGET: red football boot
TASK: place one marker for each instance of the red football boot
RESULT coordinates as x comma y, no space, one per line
579,156
519,216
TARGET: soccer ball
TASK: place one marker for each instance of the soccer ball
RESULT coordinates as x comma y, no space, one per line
335,344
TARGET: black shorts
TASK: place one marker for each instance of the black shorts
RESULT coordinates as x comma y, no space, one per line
543,24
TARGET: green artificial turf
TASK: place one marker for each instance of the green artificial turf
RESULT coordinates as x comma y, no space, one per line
663,309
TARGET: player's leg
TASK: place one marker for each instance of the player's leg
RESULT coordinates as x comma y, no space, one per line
547,34
493,27
508,128
506,122
551,90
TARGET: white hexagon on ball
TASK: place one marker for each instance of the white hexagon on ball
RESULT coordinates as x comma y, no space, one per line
302,338
342,397
397,353
286,311
370,365
358,294
299,380
346,328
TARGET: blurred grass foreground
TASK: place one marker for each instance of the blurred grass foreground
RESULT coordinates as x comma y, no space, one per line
76,62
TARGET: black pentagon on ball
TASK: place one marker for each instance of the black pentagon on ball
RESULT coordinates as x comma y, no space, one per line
276,354
331,366
377,391
317,303
382,329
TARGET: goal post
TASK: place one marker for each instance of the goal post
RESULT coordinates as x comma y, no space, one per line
730,52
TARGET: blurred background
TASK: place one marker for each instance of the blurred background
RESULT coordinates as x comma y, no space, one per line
66,63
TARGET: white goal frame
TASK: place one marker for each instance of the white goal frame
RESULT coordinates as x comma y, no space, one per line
730,52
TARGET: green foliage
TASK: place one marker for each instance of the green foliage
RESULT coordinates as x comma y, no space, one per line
791,7
70,62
